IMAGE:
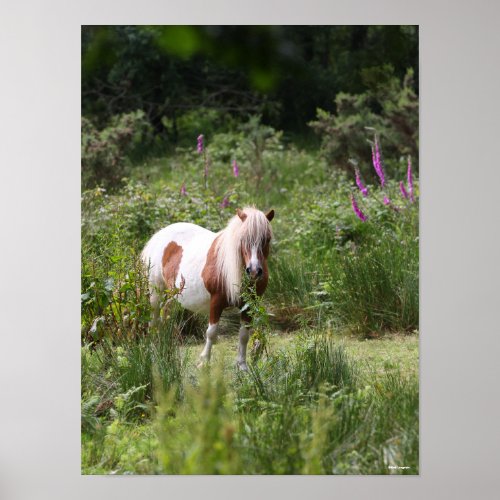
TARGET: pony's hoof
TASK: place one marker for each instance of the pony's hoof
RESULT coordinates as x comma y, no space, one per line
242,366
201,363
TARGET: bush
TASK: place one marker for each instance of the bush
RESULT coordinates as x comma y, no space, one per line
104,151
389,109
187,126
120,374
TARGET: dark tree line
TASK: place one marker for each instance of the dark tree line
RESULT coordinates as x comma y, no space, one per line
283,73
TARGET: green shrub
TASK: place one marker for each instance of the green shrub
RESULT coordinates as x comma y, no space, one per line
104,152
204,427
188,125
117,303
389,109
119,377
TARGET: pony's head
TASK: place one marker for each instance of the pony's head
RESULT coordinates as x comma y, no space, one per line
243,247
256,236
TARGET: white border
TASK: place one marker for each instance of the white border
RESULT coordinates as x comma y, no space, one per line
40,259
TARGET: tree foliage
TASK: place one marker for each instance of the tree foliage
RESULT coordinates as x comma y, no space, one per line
282,72
344,134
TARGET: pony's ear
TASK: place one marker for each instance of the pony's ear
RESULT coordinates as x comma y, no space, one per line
242,215
270,215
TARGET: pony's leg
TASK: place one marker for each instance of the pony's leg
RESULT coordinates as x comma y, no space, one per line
244,334
211,337
155,304
216,308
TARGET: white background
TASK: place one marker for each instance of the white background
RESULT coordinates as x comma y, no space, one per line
40,248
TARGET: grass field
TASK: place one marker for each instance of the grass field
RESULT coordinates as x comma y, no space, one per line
335,391
317,404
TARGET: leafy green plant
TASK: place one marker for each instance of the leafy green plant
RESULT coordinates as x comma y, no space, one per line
204,427
255,308
104,151
389,108
259,141
314,441
116,305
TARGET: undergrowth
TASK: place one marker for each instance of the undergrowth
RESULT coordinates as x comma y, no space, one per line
300,409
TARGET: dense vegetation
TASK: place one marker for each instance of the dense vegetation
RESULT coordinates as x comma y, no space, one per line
284,73
333,380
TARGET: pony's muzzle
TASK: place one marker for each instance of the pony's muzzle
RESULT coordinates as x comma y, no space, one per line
254,273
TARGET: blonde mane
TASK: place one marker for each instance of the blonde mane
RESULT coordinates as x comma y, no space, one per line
229,262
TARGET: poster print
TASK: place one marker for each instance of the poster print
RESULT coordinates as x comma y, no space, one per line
250,250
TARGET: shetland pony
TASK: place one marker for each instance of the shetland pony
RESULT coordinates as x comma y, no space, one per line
207,269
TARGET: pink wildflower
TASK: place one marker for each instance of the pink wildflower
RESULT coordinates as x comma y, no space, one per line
236,169
183,189
403,189
359,214
377,163
386,201
200,144
410,180
225,202
362,188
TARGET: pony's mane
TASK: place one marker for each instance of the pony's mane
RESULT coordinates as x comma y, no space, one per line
229,263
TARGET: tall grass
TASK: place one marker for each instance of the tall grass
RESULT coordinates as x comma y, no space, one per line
302,410
291,283
375,287
290,295
276,403
196,435
122,377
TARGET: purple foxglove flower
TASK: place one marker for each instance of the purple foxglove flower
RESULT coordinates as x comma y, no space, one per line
374,161
183,189
359,214
386,201
402,188
200,144
225,202
410,180
377,163
236,169
362,188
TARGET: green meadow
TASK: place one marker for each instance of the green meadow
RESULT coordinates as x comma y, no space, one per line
333,380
